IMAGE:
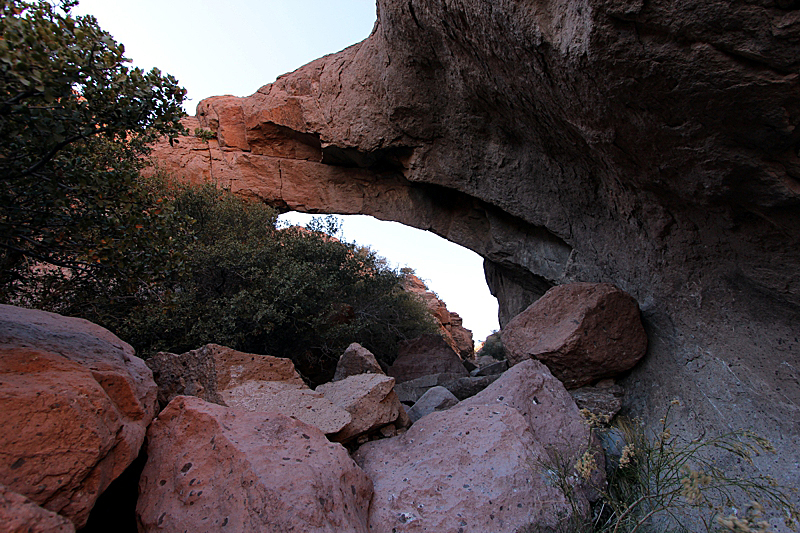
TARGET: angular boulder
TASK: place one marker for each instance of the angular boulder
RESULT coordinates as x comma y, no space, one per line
466,387
423,356
356,360
436,399
297,401
551,413
18,514
583,332
212,468
252,382
471,468
76,403
370,400
207,371
604,400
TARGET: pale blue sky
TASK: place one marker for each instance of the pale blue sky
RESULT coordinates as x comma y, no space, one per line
237,46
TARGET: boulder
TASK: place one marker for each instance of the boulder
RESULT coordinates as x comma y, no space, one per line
604,400
411,391
471,468
18,514
436,399
212,468
583,332
356,360
370,400
552,416
466,387
423,356
207,371
252,382
496,367
289,399
75,403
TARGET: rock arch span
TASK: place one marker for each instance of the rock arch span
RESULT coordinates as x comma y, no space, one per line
604,140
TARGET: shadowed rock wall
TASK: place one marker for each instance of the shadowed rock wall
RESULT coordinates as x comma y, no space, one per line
653,145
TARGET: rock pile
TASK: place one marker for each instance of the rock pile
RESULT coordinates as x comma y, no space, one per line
242,444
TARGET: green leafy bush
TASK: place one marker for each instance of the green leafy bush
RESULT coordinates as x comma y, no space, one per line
74,122
245,283
493,346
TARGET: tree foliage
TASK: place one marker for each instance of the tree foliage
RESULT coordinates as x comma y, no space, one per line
290,292
74,120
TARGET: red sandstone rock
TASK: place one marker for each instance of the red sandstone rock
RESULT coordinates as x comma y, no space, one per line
356,360
471,468
247,381
450,324
423,356
582,332
370,400
212,469
209,370
18,514
75,403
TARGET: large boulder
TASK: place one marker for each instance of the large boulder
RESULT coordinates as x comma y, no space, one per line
75,403
423,356
471,468
212,468
370,400
18,514
356,360
551,413
583,332
252,382
209,370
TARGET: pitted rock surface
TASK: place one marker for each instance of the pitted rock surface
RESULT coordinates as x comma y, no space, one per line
75,403
211,468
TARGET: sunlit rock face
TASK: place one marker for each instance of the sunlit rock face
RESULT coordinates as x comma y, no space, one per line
650,145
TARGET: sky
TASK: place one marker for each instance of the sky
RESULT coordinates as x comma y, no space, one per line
236,47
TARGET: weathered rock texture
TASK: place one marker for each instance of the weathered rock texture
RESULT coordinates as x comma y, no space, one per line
18,514
478,466
252,382
583,332
451,326
653,145
75,404
435,399
423,356
209,370
211,469
370,400
354,361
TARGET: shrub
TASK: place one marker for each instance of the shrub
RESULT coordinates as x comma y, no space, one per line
245,283
662,482
493,346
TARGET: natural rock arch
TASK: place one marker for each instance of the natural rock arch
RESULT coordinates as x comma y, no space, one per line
612,141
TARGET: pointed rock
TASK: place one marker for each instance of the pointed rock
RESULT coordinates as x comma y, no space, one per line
356,360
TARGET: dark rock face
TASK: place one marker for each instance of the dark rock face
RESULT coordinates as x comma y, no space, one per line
649,145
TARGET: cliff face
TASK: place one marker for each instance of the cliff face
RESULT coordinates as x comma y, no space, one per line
653,145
